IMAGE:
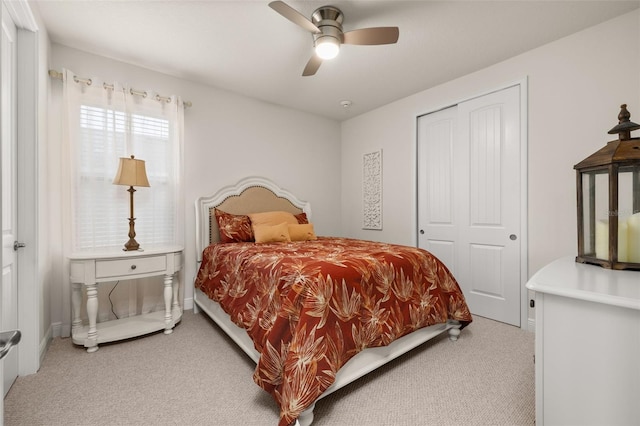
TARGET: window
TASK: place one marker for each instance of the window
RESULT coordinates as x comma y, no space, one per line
104,125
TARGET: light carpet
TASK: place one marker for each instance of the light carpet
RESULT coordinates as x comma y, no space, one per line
197,376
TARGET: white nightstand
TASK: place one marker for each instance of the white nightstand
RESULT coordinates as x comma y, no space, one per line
91,268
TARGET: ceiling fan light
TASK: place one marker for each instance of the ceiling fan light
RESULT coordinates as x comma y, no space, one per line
327,48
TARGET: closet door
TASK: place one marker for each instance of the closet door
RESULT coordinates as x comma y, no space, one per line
469,199
438,227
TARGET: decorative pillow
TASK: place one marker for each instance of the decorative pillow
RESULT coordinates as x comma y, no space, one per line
272,218
302,232
301,218
272,233
233,228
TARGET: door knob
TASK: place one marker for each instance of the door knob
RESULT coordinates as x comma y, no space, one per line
422,232
8,339
17,245
513,237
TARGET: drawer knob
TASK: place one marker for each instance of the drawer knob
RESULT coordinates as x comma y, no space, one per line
133,266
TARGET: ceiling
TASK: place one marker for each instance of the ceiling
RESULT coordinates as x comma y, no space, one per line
245,47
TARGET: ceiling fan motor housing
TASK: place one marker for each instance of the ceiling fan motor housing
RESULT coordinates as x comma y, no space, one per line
328,19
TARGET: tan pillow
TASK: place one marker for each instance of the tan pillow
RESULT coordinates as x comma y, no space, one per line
271,233
302,232
272,218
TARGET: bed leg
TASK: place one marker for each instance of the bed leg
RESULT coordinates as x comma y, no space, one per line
454,333
306,417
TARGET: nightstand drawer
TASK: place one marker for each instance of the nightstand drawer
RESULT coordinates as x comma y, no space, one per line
140,265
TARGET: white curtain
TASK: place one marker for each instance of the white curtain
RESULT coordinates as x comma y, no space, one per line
102,122
106,121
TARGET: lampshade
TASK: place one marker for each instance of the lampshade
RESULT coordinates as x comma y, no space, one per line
131,172
327,47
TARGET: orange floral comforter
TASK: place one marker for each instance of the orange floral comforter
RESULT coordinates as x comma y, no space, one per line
310,306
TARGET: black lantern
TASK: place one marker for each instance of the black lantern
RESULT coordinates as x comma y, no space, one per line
608,189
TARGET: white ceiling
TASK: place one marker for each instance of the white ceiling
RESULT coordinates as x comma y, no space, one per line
245,47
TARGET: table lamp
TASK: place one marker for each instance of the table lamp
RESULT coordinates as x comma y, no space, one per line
131,172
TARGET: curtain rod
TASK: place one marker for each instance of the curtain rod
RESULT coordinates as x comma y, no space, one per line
58,75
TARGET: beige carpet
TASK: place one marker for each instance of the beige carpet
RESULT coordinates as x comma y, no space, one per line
196,376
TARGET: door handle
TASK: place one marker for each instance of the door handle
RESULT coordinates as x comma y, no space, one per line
17,245
513,237
8,339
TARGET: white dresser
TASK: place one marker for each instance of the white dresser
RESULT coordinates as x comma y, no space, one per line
88,269
587,345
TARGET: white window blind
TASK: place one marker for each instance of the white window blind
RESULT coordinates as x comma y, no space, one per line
102,210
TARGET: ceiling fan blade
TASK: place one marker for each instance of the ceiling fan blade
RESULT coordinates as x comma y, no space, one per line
371,36
294,16
312,66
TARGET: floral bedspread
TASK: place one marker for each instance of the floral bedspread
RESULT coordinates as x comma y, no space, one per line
310,306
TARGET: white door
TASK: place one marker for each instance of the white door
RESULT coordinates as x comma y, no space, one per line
437,224
469,198
8,121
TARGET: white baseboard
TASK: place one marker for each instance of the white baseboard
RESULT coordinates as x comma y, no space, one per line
188,304
45,342
57,329
61,330
531,325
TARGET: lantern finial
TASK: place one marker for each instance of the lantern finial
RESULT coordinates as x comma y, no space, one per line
624,127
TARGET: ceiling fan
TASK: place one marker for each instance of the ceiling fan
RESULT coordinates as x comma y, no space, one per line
326,27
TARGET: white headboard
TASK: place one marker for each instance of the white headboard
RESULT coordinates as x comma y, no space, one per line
233,199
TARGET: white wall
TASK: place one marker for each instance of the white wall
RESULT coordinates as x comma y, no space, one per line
227,137
576,86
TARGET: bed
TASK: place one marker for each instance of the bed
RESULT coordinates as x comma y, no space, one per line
315,313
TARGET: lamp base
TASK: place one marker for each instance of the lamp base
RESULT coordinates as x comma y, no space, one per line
131,245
